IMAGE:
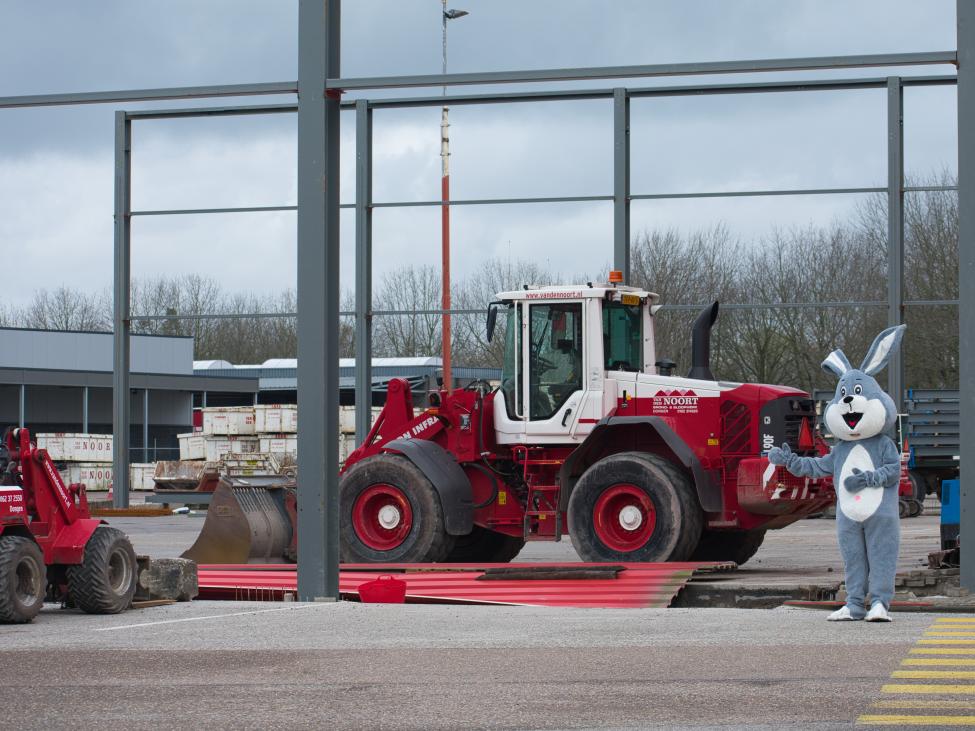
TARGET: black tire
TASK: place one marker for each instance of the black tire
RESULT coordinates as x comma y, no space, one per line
677,521
23,579
485,545
728,545
902,508
427,539
914,508
104,582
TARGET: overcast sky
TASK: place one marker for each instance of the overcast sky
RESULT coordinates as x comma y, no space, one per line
56,183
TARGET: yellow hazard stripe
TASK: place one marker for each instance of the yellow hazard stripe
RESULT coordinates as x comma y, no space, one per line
902,720
956,619
929,674
940,703
939,661
942,651
927,689
946,642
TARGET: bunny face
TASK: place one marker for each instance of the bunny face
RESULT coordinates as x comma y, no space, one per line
860,408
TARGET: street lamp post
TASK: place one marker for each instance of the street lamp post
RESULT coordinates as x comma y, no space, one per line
445,205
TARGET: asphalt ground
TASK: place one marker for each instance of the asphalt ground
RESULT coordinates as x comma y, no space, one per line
348,665
352,666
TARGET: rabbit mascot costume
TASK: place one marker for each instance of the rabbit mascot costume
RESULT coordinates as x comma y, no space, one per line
865,466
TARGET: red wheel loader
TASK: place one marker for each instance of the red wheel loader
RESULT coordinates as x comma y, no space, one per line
588,435
50,546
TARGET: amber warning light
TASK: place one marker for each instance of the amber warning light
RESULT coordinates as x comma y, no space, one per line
616,276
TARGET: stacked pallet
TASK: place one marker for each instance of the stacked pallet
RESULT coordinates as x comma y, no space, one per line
87,458
240,435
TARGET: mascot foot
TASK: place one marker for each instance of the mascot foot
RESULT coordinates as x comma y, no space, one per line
841,615
877,613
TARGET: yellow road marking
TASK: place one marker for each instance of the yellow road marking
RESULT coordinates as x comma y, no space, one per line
939,661
900,720
949,634
946,642
946,674
942,651
955,619
945,704
927,689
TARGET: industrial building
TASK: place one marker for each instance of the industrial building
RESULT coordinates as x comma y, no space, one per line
56,381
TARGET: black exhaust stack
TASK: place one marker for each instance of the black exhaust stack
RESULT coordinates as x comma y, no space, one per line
701,344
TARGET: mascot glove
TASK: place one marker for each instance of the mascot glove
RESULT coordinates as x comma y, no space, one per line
859,480
782,456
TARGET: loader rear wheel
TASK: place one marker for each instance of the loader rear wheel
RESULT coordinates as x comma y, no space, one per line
391,513
489,546
23,579
634,506
728,545
104,582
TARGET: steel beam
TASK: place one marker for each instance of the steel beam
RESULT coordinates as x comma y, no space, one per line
147,95
879,60
84,410
363,270
22,406
966,275
318,299
121,411
763,87
621,183
895,232
145,425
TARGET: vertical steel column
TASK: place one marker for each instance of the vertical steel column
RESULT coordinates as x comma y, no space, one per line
966,273
203,402
363,270
145,425
84,410
895,232
22,407
621,182
121,413
319,35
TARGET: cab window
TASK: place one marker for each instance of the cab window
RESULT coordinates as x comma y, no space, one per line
555,366
511,381
622,336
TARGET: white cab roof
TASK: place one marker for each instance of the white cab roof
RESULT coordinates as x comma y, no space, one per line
575,291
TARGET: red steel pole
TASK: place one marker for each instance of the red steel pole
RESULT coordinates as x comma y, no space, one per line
445,246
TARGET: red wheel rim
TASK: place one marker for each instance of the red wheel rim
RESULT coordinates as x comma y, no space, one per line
624,517
382,517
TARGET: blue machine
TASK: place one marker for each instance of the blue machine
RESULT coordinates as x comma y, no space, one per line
950,513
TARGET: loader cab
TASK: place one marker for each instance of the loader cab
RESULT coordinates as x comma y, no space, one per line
562,348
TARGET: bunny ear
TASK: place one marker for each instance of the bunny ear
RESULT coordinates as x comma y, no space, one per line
837,363
879,353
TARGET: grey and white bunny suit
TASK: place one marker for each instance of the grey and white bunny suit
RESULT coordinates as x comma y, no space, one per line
865,466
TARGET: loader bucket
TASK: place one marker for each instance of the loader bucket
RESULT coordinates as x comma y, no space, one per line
250,520
187,476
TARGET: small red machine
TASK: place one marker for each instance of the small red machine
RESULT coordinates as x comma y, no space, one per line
50,546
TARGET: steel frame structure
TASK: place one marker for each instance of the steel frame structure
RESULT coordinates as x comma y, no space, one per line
318,110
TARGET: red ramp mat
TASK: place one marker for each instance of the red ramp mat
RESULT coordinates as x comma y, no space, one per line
624,585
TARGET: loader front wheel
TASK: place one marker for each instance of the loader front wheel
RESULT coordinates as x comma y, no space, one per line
23,579
391,513
634,506
104,582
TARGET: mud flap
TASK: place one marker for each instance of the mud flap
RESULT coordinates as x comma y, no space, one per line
452,485
247,523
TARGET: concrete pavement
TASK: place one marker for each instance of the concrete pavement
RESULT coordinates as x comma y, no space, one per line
249,665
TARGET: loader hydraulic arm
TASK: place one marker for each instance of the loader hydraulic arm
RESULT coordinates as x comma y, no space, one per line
44,490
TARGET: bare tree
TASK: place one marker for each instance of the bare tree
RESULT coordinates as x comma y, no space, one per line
66,309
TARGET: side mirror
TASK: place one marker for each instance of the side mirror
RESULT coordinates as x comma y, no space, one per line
492,319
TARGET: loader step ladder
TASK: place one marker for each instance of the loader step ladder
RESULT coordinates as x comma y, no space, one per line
543,519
